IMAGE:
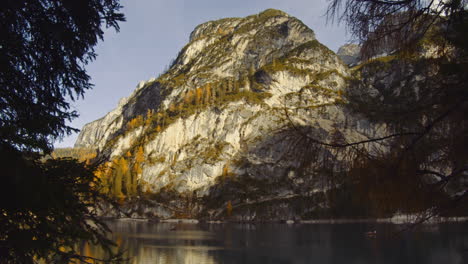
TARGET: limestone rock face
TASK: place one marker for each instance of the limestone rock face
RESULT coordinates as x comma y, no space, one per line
229,120
99,131
349,53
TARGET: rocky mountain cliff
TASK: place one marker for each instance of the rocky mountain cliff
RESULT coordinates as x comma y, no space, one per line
349,53
230,127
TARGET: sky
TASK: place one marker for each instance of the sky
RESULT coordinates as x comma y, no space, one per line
155,32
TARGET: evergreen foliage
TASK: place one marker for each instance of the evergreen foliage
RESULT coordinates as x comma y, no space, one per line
46,206
45,46
419,167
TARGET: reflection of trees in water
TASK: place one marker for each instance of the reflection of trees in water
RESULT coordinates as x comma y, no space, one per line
278,243
156,243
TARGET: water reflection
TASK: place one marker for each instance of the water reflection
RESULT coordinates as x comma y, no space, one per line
165,243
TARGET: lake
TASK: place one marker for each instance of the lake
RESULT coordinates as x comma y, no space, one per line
161,243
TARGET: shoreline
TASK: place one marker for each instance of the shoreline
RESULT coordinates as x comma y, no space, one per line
398,220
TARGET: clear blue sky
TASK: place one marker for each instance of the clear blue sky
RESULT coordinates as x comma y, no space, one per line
154,33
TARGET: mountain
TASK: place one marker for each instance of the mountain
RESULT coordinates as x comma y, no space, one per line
230,127
349,53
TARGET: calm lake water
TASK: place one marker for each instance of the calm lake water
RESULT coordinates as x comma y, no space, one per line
145,243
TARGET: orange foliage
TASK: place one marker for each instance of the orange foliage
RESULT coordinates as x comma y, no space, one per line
207,93
149,114
226,170
188,99
139,156
229,208
199,95
135,122
172,108
81,154
149,117
221,31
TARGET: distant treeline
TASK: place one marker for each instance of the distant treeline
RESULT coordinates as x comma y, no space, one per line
81,154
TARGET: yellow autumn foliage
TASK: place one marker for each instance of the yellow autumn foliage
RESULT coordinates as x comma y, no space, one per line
135,122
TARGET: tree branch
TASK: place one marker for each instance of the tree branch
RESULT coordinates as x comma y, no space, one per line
345,145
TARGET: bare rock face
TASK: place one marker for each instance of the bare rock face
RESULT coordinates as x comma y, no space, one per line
227,121
349,53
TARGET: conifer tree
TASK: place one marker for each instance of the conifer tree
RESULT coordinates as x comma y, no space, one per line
423,170
139,159
172,108
149,117
119,172
207,92
226,170
188,98
102,173
229,208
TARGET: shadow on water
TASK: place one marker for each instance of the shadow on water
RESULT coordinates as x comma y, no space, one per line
280,243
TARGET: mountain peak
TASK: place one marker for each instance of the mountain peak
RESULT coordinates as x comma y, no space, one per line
271,12
224,95
227,47
228,25
228,51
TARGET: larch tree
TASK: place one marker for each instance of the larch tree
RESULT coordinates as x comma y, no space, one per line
229,208
189,97
118,176
127,179
139,159
207,94
199,96
394,24
425,169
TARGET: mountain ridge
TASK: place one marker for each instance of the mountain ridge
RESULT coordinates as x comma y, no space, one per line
224,119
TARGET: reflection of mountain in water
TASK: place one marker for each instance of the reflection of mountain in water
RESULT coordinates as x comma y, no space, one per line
279,243
156,243
153,254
